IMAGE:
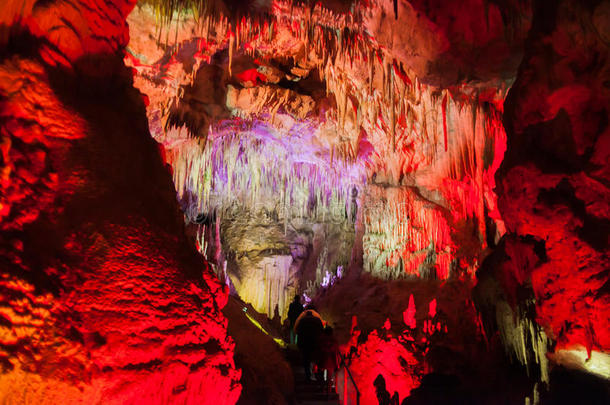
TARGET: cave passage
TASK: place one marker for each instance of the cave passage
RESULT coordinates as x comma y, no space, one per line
430,177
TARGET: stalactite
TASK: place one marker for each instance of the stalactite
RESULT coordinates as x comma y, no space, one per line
524,339
444,107
409,112
231,44
392,111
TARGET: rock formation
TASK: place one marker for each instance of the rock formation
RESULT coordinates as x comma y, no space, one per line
433,175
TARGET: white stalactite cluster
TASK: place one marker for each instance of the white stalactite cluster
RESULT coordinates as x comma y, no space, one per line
441,148
256,167
524,339
401,232
250,167
268,284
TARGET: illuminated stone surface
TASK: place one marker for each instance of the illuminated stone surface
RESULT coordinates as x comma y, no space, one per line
433,174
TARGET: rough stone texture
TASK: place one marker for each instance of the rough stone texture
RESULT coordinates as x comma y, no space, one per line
408,329
248,100
267,377
103,299
70,30
445,45
554,181
506,302
268,264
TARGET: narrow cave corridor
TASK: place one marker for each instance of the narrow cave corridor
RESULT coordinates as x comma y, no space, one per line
430,177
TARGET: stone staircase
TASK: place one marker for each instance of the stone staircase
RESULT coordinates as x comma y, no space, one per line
309,392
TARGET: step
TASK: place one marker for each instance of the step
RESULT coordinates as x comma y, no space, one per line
309,386
317,396
309,392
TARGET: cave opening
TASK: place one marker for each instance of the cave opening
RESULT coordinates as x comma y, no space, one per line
430,176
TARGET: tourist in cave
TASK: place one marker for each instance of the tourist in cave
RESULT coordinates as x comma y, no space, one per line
294,310
309,328
382,393
328,360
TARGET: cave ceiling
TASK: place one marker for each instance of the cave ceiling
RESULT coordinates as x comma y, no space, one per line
406,97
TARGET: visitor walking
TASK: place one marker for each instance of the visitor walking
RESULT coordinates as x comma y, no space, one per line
294,310
328,360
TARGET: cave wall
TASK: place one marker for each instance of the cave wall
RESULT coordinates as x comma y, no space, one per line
446,46
553,183
104,300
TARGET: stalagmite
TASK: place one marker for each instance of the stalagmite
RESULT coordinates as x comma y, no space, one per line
409,314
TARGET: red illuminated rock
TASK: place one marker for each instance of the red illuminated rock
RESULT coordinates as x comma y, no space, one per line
103,298
554,179
367,136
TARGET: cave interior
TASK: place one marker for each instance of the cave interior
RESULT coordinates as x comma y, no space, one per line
432,176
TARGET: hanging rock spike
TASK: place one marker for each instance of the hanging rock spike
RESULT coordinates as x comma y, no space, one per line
444,108
231,42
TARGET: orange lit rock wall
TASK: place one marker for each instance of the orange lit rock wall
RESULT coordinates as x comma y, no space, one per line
102,298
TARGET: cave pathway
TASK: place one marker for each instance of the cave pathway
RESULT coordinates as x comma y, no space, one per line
308,392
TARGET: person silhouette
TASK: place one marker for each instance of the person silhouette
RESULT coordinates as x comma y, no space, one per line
383,395
328,359
294,310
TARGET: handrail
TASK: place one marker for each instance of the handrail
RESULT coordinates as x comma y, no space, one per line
349,373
